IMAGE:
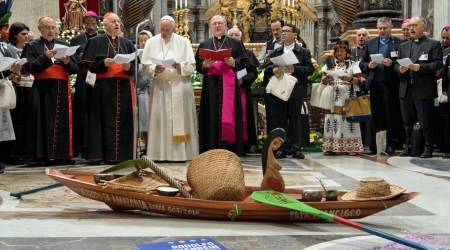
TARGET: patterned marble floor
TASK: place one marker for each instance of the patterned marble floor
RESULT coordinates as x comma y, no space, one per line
60,219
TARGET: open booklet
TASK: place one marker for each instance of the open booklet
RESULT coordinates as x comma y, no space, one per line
336,73
405,62
62,51
287,58
214,54
165,63
7,62
377,58
124,58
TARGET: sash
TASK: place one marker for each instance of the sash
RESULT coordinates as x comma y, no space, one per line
228,128
244,112
59,72
116,71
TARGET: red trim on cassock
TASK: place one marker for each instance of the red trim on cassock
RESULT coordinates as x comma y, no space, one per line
117,71
58,72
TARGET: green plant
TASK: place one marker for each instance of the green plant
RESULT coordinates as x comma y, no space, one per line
258,83
315,139
316,76
196,80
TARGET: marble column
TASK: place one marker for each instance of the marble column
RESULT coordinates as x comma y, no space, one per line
322,36
441,17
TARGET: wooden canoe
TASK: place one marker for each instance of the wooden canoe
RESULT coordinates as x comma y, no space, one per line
82,182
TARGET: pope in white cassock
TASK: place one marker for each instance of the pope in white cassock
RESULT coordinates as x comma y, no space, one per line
169,59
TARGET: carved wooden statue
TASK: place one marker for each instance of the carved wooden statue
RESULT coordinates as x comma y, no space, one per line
73,18
272,179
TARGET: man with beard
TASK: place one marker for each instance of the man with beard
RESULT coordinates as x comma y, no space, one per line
383,82
418,83
51,119
82,89
221,119
110,113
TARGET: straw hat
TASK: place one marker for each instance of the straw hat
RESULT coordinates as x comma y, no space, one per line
373,188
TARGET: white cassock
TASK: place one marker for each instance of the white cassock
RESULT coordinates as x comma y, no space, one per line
172,132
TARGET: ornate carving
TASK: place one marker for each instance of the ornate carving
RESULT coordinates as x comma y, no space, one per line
73,18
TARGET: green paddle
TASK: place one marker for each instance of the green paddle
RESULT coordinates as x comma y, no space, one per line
283,200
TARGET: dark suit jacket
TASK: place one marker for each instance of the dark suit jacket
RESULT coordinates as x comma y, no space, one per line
357,56
373,75
423,82
446,75
301,70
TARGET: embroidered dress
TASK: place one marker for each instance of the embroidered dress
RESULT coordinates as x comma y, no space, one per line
341,136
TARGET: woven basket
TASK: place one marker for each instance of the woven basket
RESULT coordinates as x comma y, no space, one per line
217,175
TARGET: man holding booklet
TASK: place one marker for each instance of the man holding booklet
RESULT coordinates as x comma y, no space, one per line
285,78
419,60
172,131
221,59
110,113
51,119
382,82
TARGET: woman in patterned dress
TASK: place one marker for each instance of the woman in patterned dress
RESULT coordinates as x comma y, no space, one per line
341,136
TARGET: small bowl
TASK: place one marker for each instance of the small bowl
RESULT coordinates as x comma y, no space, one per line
312,195
331,195
167,191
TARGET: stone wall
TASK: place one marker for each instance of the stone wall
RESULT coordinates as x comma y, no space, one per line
29,11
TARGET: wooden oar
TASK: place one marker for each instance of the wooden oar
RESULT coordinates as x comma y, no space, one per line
283,200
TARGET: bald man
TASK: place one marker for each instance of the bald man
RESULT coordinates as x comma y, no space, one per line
110,115
362,36
418,83
51,137
220,119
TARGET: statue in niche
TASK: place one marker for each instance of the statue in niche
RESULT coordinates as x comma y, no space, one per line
73,18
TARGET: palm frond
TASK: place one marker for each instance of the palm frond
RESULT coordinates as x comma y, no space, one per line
125,167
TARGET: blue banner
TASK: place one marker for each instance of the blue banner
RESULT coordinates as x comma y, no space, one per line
190,244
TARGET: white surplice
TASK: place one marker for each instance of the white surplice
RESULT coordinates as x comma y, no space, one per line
172,132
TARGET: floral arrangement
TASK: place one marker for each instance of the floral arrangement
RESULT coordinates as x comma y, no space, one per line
67,35
258,83
315,139
196,80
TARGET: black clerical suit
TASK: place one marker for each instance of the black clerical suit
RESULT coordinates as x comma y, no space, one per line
82,91
383,82
418,89
283,114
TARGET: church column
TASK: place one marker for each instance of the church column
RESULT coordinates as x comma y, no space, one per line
156,15
322,35
441,17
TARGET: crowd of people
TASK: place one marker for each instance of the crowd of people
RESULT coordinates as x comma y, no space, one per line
47,126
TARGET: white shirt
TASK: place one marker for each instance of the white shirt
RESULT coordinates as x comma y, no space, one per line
288,47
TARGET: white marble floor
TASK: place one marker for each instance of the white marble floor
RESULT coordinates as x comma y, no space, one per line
428,213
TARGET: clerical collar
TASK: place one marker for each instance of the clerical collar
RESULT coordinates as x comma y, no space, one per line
90,35
418,39
48,44
219,38
111,37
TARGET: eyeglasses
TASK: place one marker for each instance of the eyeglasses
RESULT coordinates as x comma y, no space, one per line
286,31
